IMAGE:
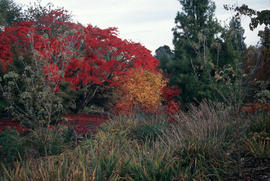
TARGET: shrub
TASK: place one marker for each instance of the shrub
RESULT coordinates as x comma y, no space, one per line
11,147
86,57
172,107
260,123
257,140
252,152
44,142
32,99
146,133
140,89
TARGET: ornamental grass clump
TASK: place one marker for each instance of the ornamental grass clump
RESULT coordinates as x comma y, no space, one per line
205,143
111,154
202,138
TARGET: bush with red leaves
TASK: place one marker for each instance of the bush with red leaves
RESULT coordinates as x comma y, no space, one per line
86,57
253,108
172,106
71,52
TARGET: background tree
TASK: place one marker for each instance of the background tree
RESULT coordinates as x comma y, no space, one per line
9,12
256,63
201,48
80,62
194,34
233,47
237,34
164,54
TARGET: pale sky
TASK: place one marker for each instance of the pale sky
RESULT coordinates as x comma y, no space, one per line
148,22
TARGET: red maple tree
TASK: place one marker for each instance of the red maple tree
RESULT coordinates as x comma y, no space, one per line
84,56
71,52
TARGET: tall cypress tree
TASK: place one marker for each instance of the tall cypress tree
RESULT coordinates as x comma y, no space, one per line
195,37
201,47
195,19
233,47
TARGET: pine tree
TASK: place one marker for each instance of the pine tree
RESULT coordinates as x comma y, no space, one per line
9,12
195,37
201,48
233,47
164,54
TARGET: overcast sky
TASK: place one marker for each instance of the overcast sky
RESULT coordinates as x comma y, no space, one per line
146,21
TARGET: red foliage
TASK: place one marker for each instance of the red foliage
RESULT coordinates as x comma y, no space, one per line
52,72
74,53
85,55
172,106
12,124
82,123
123,107
170,93
85,123
253,108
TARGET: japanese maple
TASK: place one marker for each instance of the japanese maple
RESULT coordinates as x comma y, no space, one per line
71,52
87,57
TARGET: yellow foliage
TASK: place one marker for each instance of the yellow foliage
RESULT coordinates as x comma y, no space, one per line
143,89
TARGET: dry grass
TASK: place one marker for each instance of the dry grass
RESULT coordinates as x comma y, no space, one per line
207,122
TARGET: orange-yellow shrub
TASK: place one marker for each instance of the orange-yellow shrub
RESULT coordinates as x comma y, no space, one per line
141,89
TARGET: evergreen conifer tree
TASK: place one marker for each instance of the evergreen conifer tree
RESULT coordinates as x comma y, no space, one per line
201,48
195,37
9,12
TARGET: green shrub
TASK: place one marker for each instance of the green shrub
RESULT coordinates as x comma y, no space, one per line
10,146
260,123
31,98
33,144
44,141
256,142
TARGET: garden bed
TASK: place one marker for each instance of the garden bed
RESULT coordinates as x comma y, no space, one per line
83,123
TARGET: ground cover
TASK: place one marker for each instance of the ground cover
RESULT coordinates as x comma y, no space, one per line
82,123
